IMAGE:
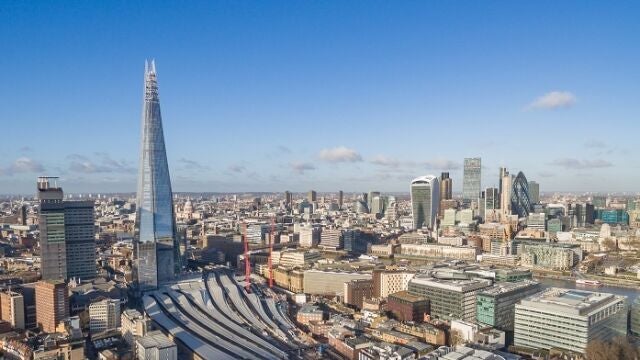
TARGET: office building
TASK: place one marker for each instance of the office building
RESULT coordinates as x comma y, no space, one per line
331,238
407,307
134,324
310,236
312,196
425,194
568,319
356,241
288,199
67,234
156,346
357,290
104,315
329,283
534,192
438,251
12,309
521,204
496,304
446,186
599,201
387,282
156,259
505,193
340,199
52,304
450,299
471,181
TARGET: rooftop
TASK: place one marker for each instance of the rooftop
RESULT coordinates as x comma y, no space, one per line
570,300
502,288
406,296
454,285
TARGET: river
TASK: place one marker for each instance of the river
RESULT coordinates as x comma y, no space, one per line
631,294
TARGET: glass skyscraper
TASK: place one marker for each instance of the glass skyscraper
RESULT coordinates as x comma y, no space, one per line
156,261
471,185
425,201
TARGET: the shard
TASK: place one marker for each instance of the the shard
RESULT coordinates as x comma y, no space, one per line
155,245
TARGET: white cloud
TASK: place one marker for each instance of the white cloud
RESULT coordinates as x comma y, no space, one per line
300,167
441,164
553,100
570,163
105,164
386,161
236,168
23,165
340,154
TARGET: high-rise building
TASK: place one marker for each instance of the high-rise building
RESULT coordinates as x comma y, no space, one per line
425,201
370,197
471,183
312,196
156,346
599,201
534,192
155,250
67,234
520,201
491,200
12,309
104,315
52,304
505,192
568,319
288,198
446,186
340,199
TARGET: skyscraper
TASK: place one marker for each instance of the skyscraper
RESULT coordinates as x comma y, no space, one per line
534,192
505,192
155,249
471,180
67,234
312,196
340,199
425,200
446,186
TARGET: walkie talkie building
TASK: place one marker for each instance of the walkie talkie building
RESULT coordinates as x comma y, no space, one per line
155,260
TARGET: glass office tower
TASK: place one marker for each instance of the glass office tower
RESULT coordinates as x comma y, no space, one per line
425,201
471,184
155,232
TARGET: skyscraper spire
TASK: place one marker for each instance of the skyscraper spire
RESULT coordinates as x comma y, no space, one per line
155,229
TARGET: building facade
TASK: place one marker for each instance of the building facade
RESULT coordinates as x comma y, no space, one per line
471,181
156,259
574,316
450,299
496,305
12,309
104,315
52,304
407,307
425,201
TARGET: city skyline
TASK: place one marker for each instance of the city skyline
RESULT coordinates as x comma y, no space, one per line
248,112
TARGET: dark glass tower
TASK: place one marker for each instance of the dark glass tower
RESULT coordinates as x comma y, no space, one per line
155,230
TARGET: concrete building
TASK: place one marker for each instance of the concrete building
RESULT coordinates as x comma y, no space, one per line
133,325
309,236
12,309
298,258
534,192
312,196
387,282
52,304
356,291
309,312
156,346
407,307
568,319
496,304
67,234
450,299
329,283
331,238
439,251
104,315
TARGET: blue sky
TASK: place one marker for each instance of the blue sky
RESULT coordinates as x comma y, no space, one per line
361,95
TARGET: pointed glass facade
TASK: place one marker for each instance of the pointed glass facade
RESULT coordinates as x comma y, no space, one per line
155,232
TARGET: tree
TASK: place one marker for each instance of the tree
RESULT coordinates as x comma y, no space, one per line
619,348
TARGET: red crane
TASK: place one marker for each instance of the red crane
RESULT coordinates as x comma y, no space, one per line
272,233
247,264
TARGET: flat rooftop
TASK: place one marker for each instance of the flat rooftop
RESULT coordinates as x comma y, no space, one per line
462,285
570,301
406,296
503,288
